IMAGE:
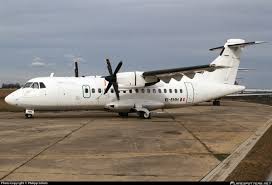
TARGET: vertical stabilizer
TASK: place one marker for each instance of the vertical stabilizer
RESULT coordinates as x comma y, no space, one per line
229,57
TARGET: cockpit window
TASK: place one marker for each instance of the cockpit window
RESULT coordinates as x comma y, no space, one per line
35,85
42,85
28,84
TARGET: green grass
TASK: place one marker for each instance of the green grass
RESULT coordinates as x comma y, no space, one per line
5,92
4,107
221,157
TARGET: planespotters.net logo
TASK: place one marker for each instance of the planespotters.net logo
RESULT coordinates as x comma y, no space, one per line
250,183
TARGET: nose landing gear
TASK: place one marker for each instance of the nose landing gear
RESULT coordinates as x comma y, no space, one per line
29,113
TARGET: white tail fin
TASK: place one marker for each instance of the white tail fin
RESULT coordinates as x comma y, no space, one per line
230,57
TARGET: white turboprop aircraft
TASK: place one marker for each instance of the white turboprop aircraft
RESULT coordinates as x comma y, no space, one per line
140,92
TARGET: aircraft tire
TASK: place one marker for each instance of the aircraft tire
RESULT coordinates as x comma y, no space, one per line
145,115
28,116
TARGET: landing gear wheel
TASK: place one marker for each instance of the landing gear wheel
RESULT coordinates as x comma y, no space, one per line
145,115
29,113
28,116
123,114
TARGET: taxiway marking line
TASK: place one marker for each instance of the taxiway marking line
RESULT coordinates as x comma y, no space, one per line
45,149
222,171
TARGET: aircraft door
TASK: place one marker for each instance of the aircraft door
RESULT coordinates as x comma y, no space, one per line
86,91
190,92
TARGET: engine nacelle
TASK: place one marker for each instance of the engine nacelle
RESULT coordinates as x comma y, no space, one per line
128,80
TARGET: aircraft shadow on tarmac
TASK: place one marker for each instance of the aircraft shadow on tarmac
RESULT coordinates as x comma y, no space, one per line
101,115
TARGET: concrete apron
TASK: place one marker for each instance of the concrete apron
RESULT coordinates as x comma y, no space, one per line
224,169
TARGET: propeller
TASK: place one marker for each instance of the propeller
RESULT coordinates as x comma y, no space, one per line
76,69
112,78
76,60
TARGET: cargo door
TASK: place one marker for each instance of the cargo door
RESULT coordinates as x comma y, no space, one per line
190,92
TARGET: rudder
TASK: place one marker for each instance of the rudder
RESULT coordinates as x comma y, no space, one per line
230,58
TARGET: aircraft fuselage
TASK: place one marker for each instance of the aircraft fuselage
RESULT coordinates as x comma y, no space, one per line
87,93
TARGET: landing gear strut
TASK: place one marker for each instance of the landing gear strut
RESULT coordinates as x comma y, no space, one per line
29,113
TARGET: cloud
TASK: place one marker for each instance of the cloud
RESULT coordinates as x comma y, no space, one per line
144,34
38,62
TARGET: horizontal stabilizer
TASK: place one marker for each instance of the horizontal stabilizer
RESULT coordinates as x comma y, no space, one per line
246,44
242,44
245,69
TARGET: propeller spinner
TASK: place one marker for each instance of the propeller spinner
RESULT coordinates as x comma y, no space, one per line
112,78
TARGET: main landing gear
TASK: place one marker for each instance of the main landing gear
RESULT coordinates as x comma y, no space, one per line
145,115
216,102
142,112
29,113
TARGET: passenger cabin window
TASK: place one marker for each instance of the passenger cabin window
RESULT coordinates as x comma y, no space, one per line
159,90
142,90
137,90
35,85
180,90
176,91
170,90
28,84
148,90
99,90
154,90
42,86
124,91
86,90
165,91
130,91
93,90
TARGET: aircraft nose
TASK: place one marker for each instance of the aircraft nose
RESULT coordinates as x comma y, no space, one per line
10,100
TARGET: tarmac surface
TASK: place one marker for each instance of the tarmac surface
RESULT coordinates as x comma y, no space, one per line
182,144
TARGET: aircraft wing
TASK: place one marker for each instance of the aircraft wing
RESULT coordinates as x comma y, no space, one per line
177,73
253,92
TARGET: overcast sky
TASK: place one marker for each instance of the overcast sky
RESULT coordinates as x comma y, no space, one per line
40,37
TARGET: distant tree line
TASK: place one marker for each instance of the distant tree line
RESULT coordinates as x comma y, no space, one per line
11,86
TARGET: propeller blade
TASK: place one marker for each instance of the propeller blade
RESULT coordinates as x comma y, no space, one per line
115,86
108,87
118,68
76,69
112,78
109,66
109,78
